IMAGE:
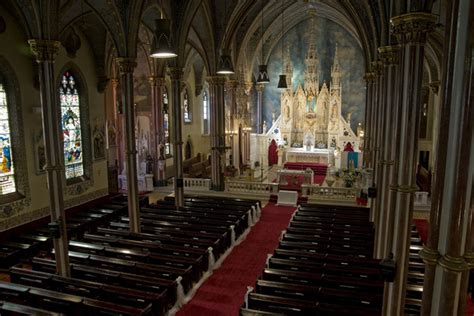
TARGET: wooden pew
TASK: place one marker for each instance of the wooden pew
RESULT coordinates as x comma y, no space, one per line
166,288
112,294
7,308
70,304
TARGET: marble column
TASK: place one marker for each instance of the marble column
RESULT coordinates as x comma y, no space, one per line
45,52
176,75
448,254
126,67
434,86
369,78
157,131
389,58
115,156
411,30
232,86
377,146
217,130
259,87
377,100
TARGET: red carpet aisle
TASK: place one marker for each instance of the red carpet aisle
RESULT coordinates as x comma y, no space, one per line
224,291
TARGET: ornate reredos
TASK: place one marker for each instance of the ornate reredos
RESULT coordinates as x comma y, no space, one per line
313,109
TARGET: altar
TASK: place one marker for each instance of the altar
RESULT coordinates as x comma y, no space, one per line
323,156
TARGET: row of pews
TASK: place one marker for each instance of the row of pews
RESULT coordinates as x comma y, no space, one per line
322,266
416,275
117,272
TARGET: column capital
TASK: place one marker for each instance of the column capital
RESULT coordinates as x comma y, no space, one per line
115,82
176,73
44,50
389,54
126,64
232,84
377,67
259,87
369,77
434,86
157,81
247,85
412,27
216,80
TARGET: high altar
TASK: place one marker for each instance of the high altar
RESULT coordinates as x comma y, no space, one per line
311,127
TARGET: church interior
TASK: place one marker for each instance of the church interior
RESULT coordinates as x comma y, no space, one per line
236,157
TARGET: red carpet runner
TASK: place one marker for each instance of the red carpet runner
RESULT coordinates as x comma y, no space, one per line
223,293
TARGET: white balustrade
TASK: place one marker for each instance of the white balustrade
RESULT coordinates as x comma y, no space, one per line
258,188
196,184
329,193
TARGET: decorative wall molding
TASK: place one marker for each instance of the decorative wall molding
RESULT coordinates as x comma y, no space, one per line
30,216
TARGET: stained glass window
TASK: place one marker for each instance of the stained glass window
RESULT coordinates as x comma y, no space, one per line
186,112
71,125
7,174
166,124
205,114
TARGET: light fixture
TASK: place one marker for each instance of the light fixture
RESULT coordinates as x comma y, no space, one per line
282,81
224,64
162,46
262,69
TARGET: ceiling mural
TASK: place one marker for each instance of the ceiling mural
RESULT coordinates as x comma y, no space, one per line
326,34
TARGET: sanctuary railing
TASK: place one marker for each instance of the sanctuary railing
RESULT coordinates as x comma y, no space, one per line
329,193
256,188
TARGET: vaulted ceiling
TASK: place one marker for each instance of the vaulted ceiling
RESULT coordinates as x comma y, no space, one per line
202,27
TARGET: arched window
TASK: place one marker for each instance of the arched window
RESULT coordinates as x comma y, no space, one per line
166,123
71,125
14,188
205,113
7,173
186,110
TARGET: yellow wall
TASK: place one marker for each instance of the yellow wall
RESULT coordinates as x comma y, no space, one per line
15,50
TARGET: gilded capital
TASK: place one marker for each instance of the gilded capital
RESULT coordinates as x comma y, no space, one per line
44,50
176,73
126,64
377,67
369,77
157,81
115,82
216,80
389,54
413,27
434,86
232,84
259,87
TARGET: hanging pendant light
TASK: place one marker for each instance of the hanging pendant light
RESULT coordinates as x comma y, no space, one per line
262,69
224,64
282,81
162,46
